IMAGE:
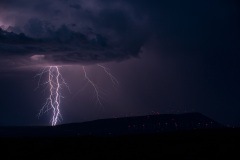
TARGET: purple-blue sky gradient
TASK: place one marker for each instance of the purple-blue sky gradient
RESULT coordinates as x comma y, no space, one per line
169,57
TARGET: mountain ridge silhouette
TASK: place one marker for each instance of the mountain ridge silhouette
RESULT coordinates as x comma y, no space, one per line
119,126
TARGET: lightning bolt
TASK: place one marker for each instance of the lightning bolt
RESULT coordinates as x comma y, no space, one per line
93,85
107,71
55,82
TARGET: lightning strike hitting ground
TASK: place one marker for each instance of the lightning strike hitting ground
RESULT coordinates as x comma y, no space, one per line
55,82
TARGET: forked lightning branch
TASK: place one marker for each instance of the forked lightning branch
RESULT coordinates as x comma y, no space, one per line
56,83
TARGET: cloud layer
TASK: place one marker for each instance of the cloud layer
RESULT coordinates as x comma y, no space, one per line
65,32
78,31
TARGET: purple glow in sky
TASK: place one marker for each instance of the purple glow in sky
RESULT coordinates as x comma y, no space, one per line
168,57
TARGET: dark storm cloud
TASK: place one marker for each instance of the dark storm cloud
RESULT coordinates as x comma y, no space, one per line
192,27
190,54
70,31
65,46
103,30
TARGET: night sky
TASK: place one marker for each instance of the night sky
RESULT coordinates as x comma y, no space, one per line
168,56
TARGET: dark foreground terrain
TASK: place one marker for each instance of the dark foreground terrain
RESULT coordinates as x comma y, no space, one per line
187,136
199,144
